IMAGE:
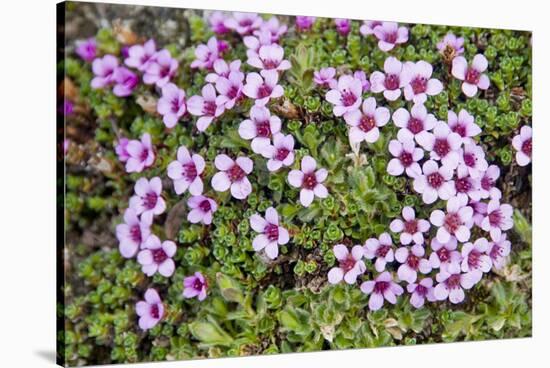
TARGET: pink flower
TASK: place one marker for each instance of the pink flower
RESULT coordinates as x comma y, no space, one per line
132,233
450,41
281,153
434,182
498,251
343,26
304,23
443,254
480,210
368,26
230,89
406,156
222,69
381,249
141,154
171,105
389,34
389,82
271,235
274,28
260,128
421,291
411,263
325,78
147,200
161,70
86,49
216,20
488,180
362,76
350,264
414,124
263,86
195,286
120,149
472,75
451,284
498,219
475,259
206,55
206,107
150,311
411,229
125,82
141,57
244,23
456,222
383,287
466,186
232,175
472,158
418,81
346,97
254,43
104,71
309,180
202,209
443,145
364,124
523,144
157,257
186,172
269,57
463,125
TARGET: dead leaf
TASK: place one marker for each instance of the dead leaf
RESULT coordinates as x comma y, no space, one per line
174,219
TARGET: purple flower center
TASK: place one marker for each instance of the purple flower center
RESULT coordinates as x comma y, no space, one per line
486,183
463,185
406,159
272,232
144,154
415,125
348,98
264,91
205,206
474,258
309,181
496,251
413,261
198,284
281,154
270,64
390,37
495,218
263,129
190,171
391,82
154,311
150,200
444,254
453,282
459,129
164,71
159,255
472,76
411,227
421,290
233,92
382,250
435,180
442,147
135,233
348,263
419,85
175,105
236,173
469,159
366,123
381,286
527,147
452,222
209,108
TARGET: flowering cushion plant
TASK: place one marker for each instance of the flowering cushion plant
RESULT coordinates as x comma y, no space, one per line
275,184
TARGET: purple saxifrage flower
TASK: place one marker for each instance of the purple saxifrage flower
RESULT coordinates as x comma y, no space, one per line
350,264
206,55
451,284
270,233
120,149
269,57
382,287
150,310
418,81
406,156
222,69
216,20
463,124
157,257
443,145
262,87
413,124
456,222
304,23
324,77
389,35
498,251
202,209
171,105
443,254
104,71
471,75
472,158
186,172
147,199
365,122
450,44
260,128
362,76
475,259
141,56
232,175
523,144
125,82
133,232
195,286
343,26
230,89
346,97
497,219
434,182
412,262
207,107
421,291
86,49
466,186
381,249
309,181
411,228
273,27
368,26
161,70
244,23
390,82
141,154
253,43
488,180
280,153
